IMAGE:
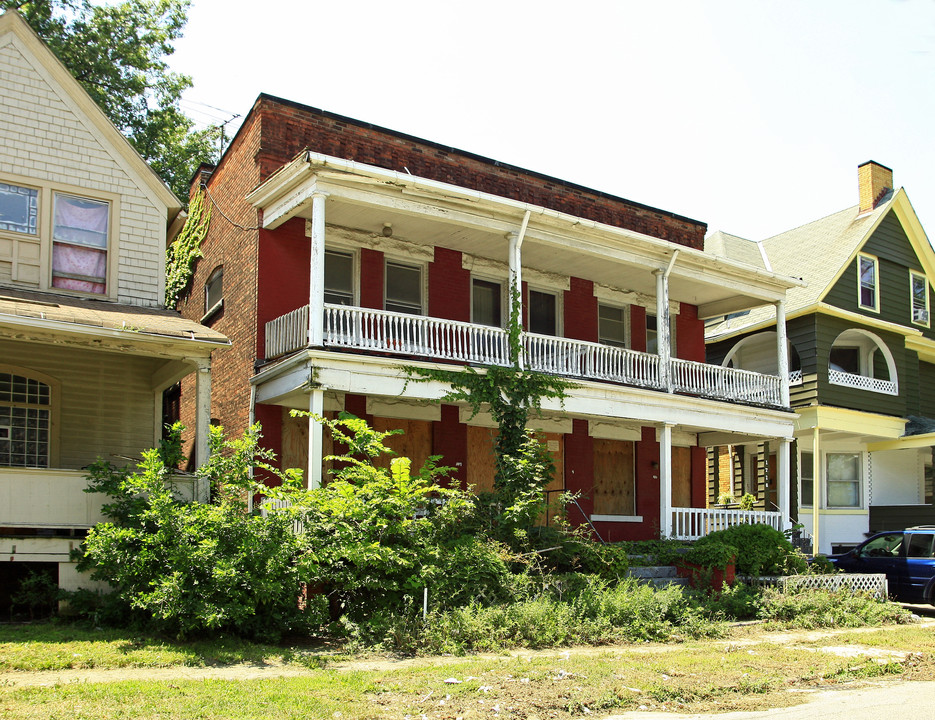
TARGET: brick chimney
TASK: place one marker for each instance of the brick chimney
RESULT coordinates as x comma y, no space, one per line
875,181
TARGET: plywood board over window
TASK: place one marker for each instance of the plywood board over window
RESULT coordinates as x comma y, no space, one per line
295,444
681,477
482,463
614,482
414,443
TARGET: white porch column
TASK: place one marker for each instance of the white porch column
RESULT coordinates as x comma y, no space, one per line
663,343
316,285
316,406
665,479
782,353
782,477
202,409
816,488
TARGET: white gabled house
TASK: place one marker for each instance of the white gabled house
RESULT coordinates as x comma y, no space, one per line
86,345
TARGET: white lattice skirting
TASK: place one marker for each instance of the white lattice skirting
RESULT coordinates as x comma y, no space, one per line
874,584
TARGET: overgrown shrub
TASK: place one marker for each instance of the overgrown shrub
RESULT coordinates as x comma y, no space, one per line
816,608
761,550
185,568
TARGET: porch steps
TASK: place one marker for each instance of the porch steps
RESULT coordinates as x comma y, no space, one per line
658,575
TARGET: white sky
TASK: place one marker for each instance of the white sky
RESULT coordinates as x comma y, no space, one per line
751,116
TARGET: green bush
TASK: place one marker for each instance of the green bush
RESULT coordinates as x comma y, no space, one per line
713,555
655,552
811,609
761,550
187,568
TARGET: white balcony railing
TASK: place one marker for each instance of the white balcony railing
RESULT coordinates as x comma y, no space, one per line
725,382
434,338
693,523
360,328
577,358
862,382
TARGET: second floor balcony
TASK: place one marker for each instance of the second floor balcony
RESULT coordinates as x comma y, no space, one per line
380,331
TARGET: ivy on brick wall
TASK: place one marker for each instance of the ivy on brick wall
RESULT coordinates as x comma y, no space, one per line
186,249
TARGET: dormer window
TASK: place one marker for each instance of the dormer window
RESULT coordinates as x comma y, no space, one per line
919,297
868,284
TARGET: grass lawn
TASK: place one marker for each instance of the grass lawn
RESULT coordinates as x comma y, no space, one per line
751,669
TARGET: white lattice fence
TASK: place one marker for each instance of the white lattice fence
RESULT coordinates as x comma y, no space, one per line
875,584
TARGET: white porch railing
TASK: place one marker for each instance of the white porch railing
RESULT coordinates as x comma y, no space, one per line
269,505
560,356
862,382
435,338
725,382
693,523
356,327
51,498
287,333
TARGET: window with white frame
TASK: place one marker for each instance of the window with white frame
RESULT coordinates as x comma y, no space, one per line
486,302
403,288
543,313
80,229
868,285
842,486
339,277
19,209
919,296
612,325
25,421
806,479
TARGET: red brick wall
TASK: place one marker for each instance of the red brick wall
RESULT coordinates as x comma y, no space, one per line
580,310
289,128
230,243
449,286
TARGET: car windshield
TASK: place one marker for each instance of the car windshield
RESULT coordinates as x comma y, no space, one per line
884,546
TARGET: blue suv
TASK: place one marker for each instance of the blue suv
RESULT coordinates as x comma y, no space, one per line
904,556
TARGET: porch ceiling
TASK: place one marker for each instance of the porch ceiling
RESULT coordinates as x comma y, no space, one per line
424,212
622,265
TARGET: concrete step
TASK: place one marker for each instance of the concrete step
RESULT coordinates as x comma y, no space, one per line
659,576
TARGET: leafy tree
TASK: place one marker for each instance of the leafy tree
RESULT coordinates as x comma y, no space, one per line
117,52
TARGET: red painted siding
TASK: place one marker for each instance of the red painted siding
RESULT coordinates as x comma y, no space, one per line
580,310
449,287
371,279
689,334
449,439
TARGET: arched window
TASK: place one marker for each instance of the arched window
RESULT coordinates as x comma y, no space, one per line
860,359
25,420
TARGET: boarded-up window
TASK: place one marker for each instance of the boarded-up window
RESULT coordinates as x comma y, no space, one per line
681,477
415,442
614,478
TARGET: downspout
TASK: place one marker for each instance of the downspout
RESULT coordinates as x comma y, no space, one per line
516,276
